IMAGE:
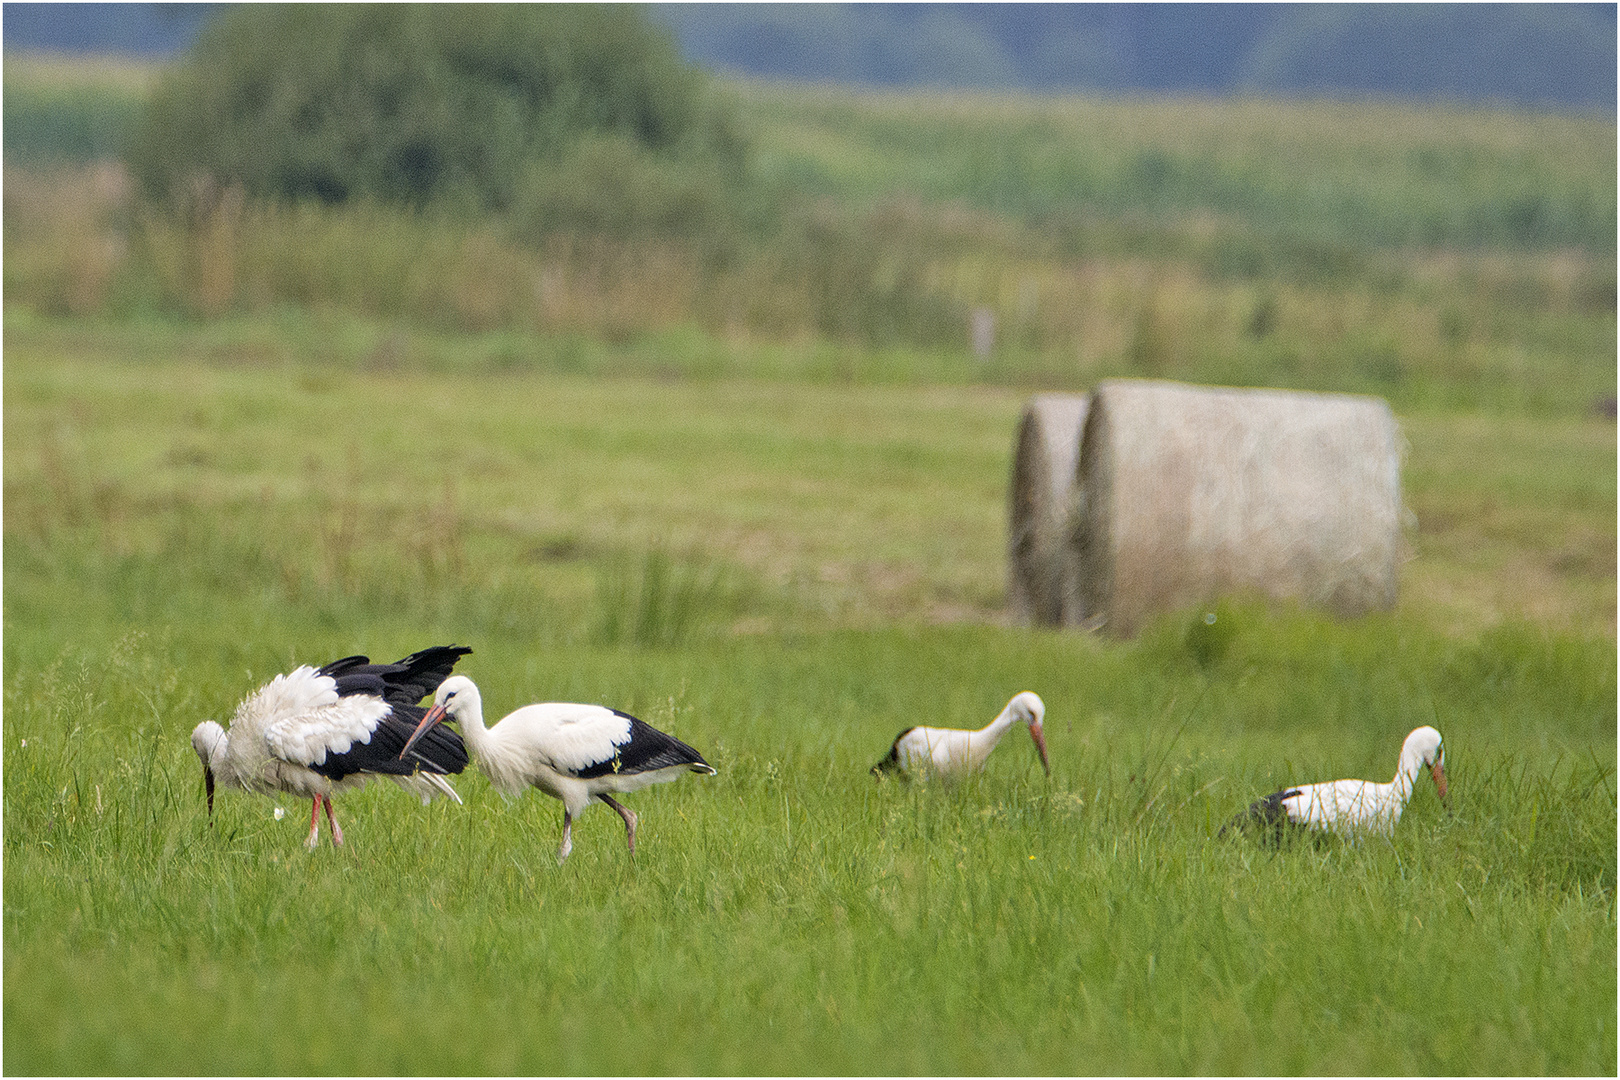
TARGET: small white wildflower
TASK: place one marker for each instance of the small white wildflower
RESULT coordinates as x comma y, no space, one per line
280,813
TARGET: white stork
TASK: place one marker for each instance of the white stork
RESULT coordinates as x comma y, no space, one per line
951,753
575,753
315,731
1350,806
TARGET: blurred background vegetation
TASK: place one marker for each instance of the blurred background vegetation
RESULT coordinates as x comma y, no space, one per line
558,177
554,190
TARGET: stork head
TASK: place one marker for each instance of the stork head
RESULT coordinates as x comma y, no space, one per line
1028,708
1423,747
455,696
209,739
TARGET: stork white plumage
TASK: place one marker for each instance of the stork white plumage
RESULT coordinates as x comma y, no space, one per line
575,753
1350,806
315,731
951,752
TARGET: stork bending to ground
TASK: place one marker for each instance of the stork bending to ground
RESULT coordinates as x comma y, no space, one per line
575,753
1349,806
316,731
949,752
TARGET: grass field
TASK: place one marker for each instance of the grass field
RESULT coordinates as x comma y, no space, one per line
177,531
269,438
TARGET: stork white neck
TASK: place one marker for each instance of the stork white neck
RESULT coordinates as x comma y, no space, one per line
1024,708
1422,748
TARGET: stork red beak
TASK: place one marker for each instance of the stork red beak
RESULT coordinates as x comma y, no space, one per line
208,789
434,715
1438,771
1039,736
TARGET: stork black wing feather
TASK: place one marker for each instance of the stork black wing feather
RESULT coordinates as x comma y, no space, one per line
362,681
439,750
647,749
403,683
348,663
418,675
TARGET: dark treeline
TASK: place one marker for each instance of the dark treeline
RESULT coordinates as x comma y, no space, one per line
1559,56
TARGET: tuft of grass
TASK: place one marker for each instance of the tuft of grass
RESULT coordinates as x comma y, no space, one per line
663,604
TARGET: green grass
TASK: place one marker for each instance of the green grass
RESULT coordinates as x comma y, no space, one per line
1381,175
784,574
794,915
846,503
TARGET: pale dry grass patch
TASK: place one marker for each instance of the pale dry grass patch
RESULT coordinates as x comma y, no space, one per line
1515,519
1234,129
596,285
45,69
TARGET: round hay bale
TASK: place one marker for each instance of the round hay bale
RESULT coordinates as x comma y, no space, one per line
1041,576
1191,492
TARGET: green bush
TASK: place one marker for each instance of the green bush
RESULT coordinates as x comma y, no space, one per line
416,103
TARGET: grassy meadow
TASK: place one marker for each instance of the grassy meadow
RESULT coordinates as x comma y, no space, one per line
752,488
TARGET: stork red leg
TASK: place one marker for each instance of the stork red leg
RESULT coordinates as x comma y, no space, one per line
337,833
629,819
314,823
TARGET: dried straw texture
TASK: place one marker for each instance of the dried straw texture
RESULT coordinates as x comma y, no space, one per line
1191,492
1042,573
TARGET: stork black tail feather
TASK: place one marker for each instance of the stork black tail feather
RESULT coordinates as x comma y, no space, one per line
891,763
1268,816
439,750
646,750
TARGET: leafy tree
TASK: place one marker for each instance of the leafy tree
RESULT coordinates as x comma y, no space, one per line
417,103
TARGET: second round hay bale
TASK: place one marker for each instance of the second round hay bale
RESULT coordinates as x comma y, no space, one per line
1042,584
1191,492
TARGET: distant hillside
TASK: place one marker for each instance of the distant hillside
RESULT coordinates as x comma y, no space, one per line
1552,56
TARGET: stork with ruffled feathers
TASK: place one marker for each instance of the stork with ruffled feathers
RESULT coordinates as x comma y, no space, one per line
316,731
